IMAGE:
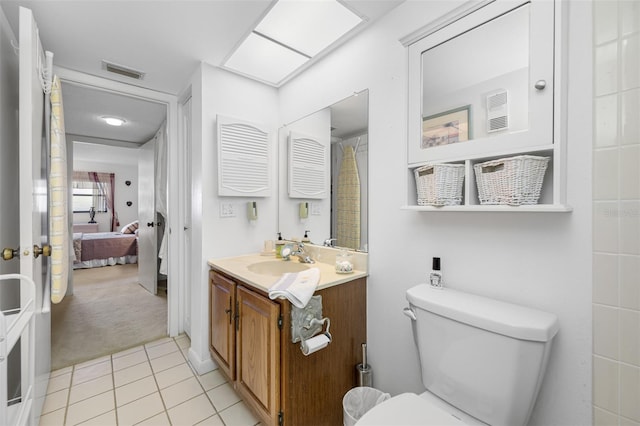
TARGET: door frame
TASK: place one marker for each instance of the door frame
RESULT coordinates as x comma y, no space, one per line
175,217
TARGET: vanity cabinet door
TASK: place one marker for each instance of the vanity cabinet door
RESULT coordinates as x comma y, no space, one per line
258,354
222,334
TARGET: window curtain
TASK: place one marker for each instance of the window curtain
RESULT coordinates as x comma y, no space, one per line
106,186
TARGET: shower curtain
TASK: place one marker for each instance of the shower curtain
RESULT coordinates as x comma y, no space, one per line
58,211
348,208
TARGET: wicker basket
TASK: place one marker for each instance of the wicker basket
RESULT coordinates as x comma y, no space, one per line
439,184
514,181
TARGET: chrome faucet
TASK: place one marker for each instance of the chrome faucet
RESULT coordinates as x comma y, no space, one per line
302,256
329,242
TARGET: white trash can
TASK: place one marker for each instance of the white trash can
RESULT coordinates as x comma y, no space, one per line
358,401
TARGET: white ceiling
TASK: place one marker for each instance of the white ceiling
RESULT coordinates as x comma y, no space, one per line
166,39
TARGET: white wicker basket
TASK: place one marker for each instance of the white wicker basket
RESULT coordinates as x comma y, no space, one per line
439,184
514,181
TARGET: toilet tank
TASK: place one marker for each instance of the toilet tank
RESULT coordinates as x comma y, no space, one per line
483,356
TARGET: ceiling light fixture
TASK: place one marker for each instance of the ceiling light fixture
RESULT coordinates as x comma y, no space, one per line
289,35
114,121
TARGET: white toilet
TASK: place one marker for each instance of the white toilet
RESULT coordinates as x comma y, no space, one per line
482,361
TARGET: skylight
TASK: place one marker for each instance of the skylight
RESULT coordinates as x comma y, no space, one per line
292,32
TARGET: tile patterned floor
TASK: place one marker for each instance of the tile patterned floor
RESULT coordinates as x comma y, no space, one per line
147,385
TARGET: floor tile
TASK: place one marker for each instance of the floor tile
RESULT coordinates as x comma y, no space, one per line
129,360
93,362
55,400
91,388
158,342
90,408
135,390
180,392
90,372
238,415
211,421
63,381
54,418
162,349
62,371
127,352
157,420
140,409
173,375
183,341
192,411
223,397
212,379
102,420
165,362
131,374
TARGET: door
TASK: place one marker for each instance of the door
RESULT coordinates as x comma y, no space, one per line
258,353
147,239
33,200
223,330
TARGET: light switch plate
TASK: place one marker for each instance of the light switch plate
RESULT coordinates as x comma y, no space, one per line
315,209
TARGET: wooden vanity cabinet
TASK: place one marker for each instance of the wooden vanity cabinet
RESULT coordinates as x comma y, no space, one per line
274,378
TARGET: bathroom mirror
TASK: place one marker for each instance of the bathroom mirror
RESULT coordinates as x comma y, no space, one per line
482,84
342,214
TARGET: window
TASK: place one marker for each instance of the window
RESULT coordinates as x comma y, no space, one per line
86,195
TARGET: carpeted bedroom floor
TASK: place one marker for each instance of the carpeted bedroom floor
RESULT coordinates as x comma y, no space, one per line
108,312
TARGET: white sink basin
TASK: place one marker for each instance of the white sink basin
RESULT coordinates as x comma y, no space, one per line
276,267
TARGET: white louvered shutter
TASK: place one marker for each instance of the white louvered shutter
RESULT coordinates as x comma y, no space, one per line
244,153
308,167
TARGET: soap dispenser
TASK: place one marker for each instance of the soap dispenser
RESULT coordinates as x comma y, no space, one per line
435,277
279,245
306,238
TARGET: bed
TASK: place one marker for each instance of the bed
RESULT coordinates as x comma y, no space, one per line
97,249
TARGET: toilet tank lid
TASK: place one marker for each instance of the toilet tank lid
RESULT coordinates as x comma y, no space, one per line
493,315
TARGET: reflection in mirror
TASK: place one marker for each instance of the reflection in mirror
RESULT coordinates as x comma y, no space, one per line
476,84
341,215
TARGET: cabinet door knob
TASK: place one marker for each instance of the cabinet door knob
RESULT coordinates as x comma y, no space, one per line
540,84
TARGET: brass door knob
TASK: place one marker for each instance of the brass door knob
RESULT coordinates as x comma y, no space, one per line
9,253
45,250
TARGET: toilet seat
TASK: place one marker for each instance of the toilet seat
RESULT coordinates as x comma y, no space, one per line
408,409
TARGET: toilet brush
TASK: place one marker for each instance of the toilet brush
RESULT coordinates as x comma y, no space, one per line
363,371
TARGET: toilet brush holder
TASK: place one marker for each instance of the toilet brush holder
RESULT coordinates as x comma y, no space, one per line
363,370
365,375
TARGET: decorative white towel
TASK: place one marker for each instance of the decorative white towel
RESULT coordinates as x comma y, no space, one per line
297,287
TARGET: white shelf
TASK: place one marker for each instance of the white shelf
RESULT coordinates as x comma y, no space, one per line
535,208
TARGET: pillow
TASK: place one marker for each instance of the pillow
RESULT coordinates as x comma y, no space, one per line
130,228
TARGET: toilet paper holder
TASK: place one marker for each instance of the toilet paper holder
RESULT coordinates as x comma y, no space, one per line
318,342
301,327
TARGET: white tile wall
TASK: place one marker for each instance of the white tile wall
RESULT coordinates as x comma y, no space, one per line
616,213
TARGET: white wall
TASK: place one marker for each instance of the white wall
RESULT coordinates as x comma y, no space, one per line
538,260
118,160
216,91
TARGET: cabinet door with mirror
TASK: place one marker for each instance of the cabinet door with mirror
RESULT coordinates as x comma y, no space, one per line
339,213
483,85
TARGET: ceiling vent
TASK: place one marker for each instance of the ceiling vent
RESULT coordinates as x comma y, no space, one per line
122,70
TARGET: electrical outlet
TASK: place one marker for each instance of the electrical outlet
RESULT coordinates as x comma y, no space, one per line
227,210
315,209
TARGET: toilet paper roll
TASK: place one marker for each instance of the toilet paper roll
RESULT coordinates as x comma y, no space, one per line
314,344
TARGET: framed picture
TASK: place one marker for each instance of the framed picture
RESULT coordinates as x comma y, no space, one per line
446,127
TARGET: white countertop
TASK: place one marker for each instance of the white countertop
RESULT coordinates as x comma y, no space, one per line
237,267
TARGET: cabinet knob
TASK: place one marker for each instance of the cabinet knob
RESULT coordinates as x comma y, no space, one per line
540,84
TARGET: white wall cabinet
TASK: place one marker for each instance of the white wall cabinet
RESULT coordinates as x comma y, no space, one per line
485,83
